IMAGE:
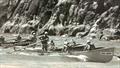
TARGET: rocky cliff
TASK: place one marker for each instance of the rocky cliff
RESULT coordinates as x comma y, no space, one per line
58,17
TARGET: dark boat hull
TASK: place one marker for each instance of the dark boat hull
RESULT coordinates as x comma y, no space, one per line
11,44
98,55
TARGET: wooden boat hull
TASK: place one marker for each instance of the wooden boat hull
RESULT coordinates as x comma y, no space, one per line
12,44
98,55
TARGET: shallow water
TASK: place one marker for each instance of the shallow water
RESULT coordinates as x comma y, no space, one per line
11,59
18,61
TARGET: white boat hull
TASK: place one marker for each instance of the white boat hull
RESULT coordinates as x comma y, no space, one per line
99,55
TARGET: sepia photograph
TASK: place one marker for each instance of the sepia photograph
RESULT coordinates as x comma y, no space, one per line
59,33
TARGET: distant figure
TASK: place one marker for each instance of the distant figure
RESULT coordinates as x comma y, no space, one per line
19,38
32,40
33,37
65,48
101,35
73,43
89,46
44,40
117,32
2,40
52,45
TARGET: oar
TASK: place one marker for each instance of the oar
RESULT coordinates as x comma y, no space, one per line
117,56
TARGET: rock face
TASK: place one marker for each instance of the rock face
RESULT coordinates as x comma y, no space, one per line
58,17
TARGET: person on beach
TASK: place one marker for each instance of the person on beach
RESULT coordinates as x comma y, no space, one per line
2,40
44,40
73,43
19,38
101,35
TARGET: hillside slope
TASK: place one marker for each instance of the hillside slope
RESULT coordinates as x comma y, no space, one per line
58,16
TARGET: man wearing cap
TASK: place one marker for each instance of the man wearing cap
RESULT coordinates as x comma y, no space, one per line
44,40
89,45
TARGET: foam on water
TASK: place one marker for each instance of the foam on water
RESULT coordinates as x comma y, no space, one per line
81,57
115,58
36,48
118,59
54,55
0,49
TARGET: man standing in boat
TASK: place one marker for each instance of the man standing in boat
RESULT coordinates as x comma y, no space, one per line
52,45
65,48
44,40
32,40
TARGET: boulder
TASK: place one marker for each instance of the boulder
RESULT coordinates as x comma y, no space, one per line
72,31
7,27
25,28
111,34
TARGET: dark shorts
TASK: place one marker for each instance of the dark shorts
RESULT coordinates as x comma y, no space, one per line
44,46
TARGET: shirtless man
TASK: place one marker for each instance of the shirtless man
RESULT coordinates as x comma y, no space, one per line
44,40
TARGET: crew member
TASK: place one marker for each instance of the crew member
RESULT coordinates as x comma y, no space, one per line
65,48
52,45
2,40
19,38
33,37
73,43
89,46
32,40
44,40
101,35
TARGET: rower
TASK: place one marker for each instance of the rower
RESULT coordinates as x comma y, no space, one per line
65,46
52,45
89,45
